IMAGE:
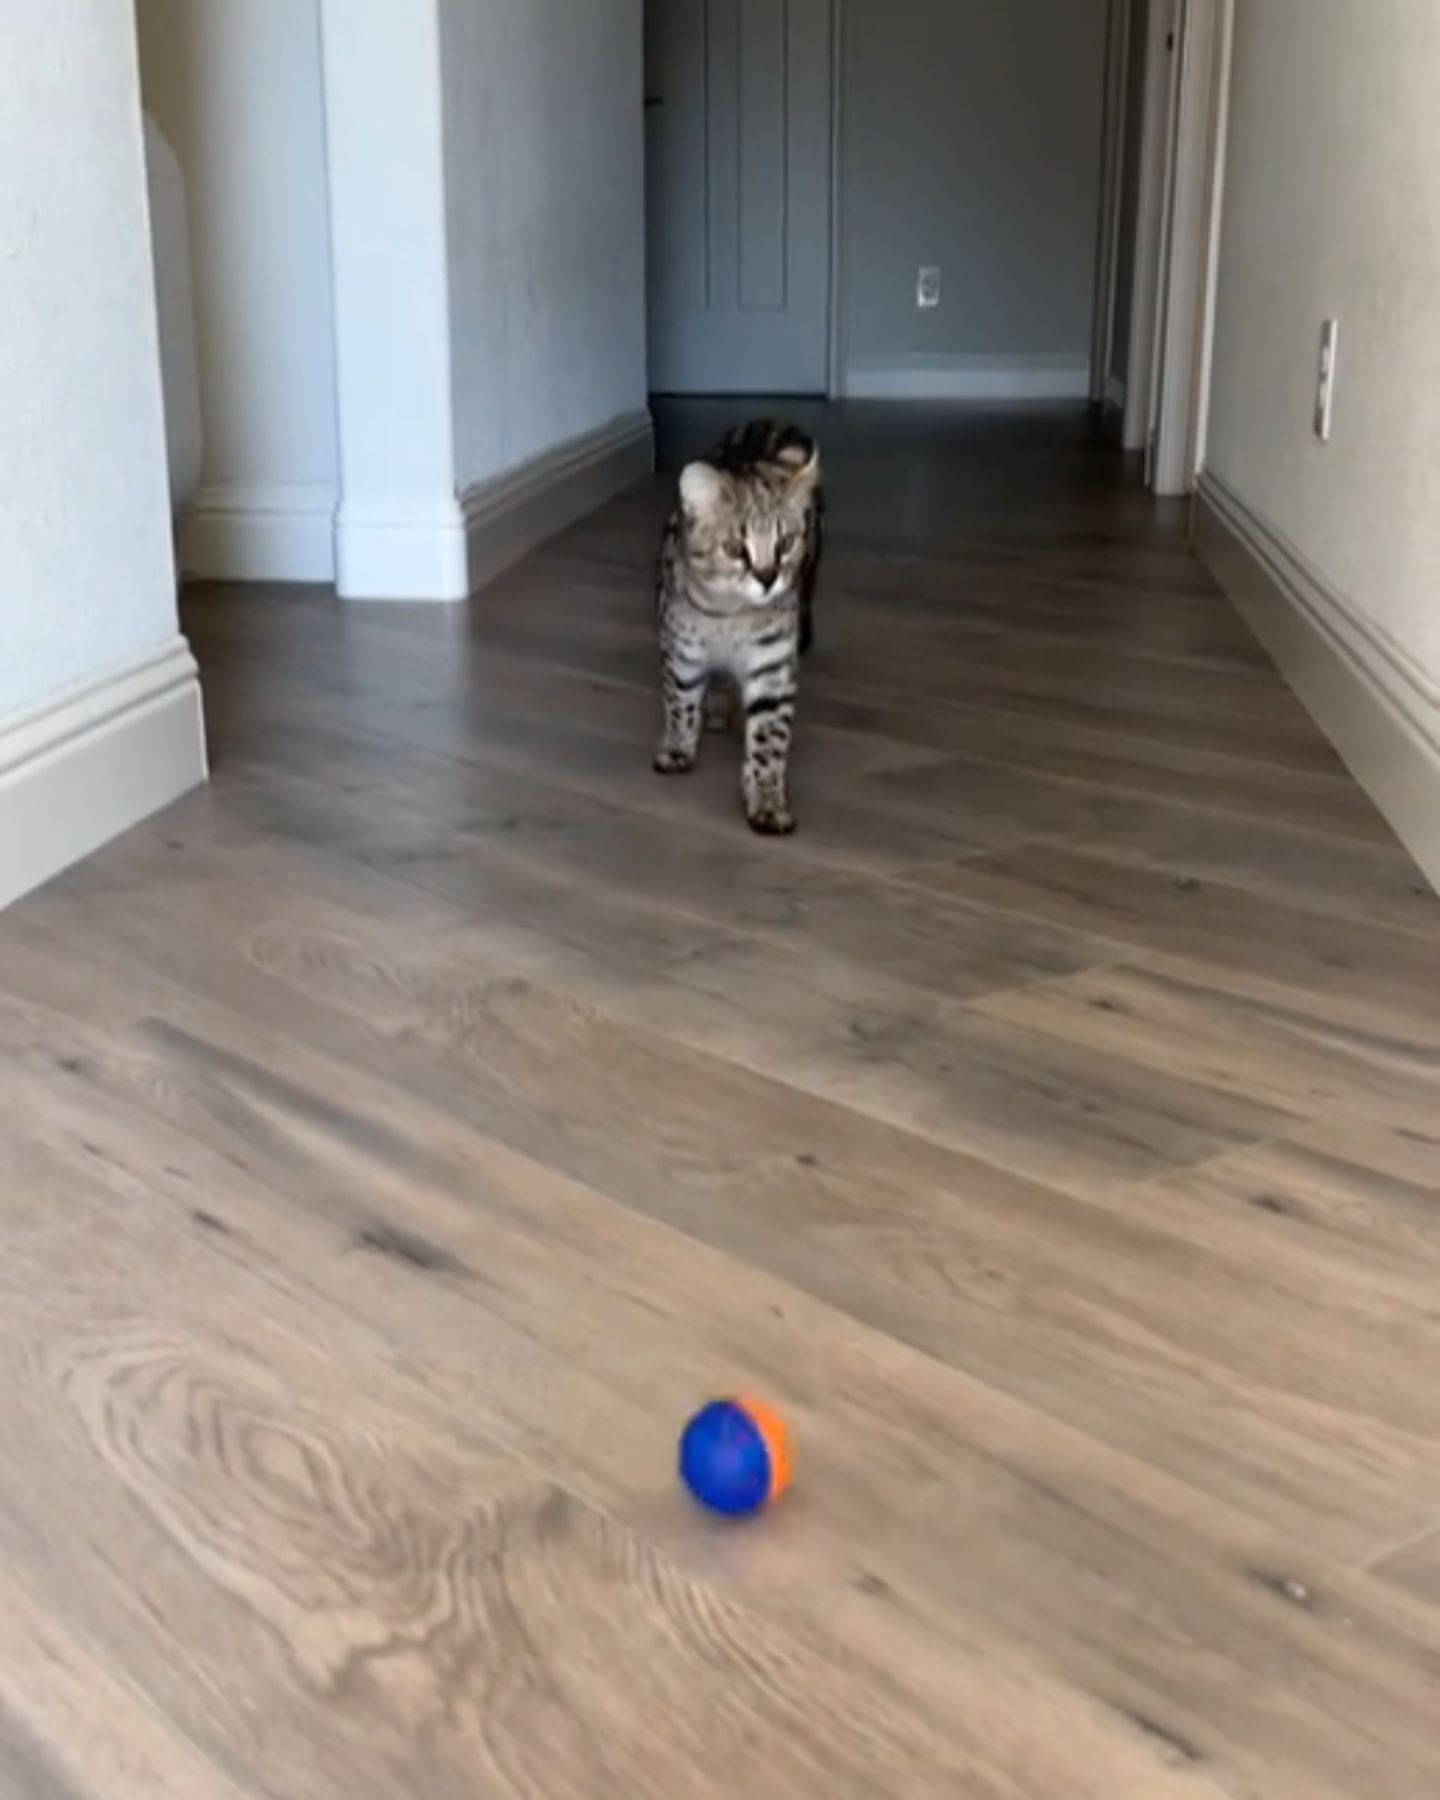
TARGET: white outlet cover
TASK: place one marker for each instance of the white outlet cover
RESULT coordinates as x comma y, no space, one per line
927,287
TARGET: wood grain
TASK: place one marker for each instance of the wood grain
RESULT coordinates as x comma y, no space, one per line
1269,1046
404,1134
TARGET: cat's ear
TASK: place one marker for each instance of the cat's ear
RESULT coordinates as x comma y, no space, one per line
702,491
804,467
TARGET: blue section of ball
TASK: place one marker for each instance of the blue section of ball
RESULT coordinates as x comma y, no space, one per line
724,1461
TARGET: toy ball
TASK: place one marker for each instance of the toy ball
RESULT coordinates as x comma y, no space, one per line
735,1457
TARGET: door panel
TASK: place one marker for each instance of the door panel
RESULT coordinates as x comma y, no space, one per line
739,153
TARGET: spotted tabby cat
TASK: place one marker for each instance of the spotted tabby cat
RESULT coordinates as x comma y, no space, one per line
735,604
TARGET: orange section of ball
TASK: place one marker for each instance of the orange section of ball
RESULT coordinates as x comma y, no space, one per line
772,1429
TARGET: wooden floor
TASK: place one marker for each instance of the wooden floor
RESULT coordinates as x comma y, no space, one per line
403,1136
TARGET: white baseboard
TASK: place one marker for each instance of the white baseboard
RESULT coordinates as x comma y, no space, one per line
412,551
993,378
448,550
1375,703
508,517
94,760
261,531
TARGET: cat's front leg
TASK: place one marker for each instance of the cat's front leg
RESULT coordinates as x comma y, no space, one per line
769,697
682,697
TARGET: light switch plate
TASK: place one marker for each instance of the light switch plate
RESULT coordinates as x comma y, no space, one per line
1325,379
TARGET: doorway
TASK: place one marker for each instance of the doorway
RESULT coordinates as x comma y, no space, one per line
740,98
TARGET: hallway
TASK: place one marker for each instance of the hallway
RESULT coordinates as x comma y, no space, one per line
445,1106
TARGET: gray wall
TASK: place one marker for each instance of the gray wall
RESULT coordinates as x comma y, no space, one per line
971,140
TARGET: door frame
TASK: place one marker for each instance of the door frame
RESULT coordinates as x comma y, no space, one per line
1112,182
1149,224
1182,312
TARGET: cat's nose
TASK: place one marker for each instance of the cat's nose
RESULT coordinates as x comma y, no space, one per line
767,577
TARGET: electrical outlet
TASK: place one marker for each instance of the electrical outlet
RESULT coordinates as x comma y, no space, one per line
927,287
1325,379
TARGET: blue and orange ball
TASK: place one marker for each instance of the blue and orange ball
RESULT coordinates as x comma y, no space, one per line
735,1457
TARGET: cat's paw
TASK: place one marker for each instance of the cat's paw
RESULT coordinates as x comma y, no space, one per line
771,821
674,762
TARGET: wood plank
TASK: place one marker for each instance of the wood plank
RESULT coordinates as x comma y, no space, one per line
1367,882
1266,1045
1353,1194
73,1724
1182,821
1374,978
1095,753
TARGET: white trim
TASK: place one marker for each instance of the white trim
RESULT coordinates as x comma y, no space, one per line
1115,392
1169,103
95,759
1376,703
261,531
447,549
1215,206
508,517
996,378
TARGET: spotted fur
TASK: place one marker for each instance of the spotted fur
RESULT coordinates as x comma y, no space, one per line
735,605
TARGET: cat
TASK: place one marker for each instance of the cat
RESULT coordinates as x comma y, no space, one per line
735,603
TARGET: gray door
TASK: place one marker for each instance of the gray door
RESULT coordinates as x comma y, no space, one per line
738,98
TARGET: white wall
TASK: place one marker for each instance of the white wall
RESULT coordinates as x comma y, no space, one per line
544,158
86,580
99,705
1334,210
236,87
972,140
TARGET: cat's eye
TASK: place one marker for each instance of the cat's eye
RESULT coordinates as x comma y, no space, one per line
737,550
786,543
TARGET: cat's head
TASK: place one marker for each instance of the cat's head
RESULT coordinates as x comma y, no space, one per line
745,529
